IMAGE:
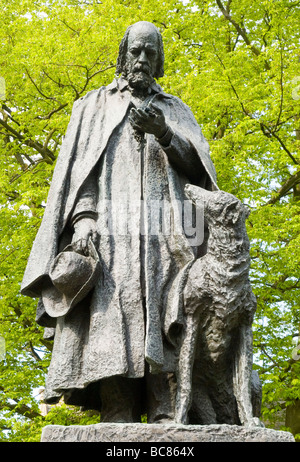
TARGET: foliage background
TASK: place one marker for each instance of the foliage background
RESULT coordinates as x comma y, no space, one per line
236,64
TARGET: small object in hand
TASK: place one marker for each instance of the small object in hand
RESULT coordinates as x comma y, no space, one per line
149,112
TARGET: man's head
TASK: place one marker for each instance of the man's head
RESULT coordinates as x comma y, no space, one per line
141,55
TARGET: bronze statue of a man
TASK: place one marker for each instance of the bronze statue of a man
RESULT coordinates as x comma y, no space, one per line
115,335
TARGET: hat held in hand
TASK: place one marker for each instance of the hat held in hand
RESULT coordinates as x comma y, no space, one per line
73,276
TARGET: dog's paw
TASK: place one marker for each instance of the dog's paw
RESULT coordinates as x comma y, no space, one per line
254,422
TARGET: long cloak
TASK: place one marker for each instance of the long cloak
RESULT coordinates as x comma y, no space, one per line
128,318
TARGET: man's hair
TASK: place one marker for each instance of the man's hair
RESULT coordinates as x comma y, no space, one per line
159,72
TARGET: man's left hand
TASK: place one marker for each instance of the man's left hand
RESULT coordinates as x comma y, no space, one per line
149,120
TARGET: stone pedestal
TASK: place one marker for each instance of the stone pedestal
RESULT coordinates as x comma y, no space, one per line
147,433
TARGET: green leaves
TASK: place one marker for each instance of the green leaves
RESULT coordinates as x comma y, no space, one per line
236,64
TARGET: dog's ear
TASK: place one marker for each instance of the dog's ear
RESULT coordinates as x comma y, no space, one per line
231,212
247,211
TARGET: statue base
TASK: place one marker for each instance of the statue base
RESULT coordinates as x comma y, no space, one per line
161,433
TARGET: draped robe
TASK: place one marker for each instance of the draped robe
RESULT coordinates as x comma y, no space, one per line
132,315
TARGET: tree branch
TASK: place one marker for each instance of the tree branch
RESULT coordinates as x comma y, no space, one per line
33,352
38,89
22,409
265,129
69,27
287,186
241,30
54,111
45,152
48,138
283,146
281,89
89,77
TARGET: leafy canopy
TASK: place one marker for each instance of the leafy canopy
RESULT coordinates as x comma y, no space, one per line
236,64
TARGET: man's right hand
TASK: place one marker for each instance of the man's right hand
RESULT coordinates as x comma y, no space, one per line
84,229
149,120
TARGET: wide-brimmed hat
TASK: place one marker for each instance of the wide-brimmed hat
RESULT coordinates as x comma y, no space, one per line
73,276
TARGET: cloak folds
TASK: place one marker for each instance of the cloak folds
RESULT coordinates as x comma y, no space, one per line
119,325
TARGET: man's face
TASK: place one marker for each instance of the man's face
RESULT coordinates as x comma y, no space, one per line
142,56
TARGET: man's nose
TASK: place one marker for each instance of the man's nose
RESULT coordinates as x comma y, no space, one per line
143,57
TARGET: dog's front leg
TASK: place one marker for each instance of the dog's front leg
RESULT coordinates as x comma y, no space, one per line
185,368
242,377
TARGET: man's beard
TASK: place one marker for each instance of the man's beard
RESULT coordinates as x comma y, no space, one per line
139,78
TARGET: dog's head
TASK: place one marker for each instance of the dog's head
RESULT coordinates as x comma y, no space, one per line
219,206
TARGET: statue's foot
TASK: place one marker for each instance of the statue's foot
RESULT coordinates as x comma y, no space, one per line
254,422
164,421
161,419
